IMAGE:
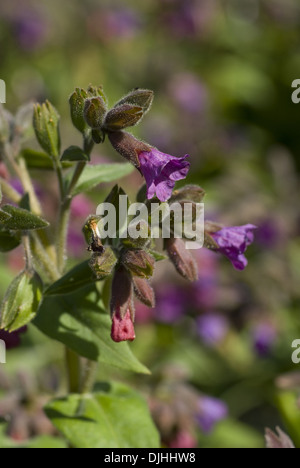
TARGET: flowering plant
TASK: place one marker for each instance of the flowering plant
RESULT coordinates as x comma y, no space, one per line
72,306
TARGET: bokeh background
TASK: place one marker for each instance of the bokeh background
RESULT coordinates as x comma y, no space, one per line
222,72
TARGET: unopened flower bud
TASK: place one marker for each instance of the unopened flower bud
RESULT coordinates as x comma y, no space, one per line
182,259
138,262
94,111
138,97
122,117
128,146
103,263
77,101
144,291
142,235
46,127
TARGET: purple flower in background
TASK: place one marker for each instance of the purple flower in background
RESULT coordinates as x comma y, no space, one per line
170,304
210,411
76,242
17,185
188,92
233,243
30,28
212,328
161,171
206,290
12,340
109,24
263,335
81,207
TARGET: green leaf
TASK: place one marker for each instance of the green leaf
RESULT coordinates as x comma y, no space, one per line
95,175
79,321
74,153
4,217
8,240
21,301
18,219
80,276
114,417
157,255
39,160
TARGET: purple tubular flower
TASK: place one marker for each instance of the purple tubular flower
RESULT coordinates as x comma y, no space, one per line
233,243
161,171
12,340
211,411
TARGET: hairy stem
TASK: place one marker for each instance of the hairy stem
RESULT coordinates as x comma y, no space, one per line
27,250
43,258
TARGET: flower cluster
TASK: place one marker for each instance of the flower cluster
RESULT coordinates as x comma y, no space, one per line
133,260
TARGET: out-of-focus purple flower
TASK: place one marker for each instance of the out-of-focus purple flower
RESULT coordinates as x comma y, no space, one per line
171,302
183,439
205,290
189,93
210,411
121,23
189,18
12,340
76,242
16,184
268,234
81,207
264,336
233,243
30,29
161,171
212,328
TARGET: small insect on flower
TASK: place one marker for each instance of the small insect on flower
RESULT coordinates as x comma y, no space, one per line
92,235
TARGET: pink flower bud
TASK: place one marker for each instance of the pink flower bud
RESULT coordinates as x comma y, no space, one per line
122,328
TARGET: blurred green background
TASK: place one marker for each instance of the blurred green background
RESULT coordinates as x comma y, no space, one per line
222,72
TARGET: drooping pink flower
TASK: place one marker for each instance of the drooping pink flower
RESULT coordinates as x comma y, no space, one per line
161,171
122,328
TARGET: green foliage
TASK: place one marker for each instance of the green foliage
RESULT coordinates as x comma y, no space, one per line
18,219
95,175
74,153
79,321
21,301
113,417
